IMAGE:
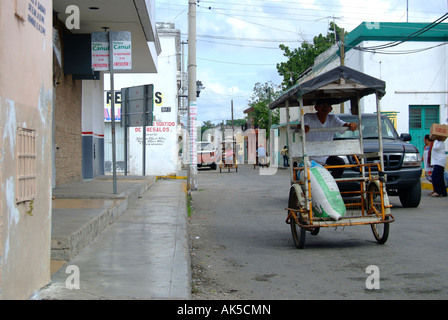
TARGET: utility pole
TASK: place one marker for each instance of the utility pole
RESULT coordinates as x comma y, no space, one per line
192,107
407,10
268,90
342,47
231,107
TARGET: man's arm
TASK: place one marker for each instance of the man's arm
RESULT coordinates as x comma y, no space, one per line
352,126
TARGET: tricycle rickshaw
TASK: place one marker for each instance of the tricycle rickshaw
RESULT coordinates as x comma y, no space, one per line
368,205
228,156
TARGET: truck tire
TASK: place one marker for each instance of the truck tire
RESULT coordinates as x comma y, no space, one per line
410,197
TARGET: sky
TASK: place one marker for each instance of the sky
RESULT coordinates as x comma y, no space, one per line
238,41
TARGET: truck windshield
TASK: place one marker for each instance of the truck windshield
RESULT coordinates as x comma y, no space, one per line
369,129
205,146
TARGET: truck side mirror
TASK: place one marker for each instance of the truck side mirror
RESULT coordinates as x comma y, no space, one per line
405,137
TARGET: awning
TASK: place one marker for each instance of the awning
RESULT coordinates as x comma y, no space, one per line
335,86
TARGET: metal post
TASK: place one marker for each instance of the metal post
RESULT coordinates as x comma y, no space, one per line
145,109
380,131
270,122
342,58
231,108
124,116
112,112
192,170
305,157
288,141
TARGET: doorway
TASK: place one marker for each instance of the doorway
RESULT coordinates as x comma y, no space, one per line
420,120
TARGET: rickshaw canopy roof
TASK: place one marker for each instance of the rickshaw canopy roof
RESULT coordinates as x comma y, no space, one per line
336,86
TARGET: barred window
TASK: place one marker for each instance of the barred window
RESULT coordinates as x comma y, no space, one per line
26,165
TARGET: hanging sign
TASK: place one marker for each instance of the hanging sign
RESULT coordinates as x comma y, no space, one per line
121,50
122,58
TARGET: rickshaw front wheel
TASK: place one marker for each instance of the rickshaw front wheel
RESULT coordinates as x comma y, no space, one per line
298,232
381,231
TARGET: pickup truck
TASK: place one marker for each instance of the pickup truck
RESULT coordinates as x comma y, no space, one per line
207,155
402,160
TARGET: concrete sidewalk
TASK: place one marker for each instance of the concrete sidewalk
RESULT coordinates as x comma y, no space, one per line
129,245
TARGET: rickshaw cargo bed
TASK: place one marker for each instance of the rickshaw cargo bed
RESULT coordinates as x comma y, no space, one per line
347,221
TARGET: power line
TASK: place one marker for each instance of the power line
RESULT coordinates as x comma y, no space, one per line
239,63
245,39
326,4
345,9
215,11
290,10
402,51
255,23
241,45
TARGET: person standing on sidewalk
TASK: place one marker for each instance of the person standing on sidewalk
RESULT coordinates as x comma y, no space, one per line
426,158
438,161
284,153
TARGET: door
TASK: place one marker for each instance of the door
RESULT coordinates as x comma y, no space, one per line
420,120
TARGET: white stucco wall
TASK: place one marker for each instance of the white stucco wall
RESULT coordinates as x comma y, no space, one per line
161,138
26,102
411,79
92,106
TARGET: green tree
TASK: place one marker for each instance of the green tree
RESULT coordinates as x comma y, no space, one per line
259,102
302,58
206,125
236,122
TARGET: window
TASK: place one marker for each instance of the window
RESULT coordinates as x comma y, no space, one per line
431,116
26,165
415,117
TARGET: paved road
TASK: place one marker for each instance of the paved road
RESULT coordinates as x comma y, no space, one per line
250,250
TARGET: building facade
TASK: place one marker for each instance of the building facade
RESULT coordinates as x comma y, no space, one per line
50,100
26,112
162,138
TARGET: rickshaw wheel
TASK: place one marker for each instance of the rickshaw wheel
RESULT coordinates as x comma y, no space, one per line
315,231
380,230
298,232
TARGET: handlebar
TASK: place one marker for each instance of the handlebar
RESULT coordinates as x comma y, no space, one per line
333,129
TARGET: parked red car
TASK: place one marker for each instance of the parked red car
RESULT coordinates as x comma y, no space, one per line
207,155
